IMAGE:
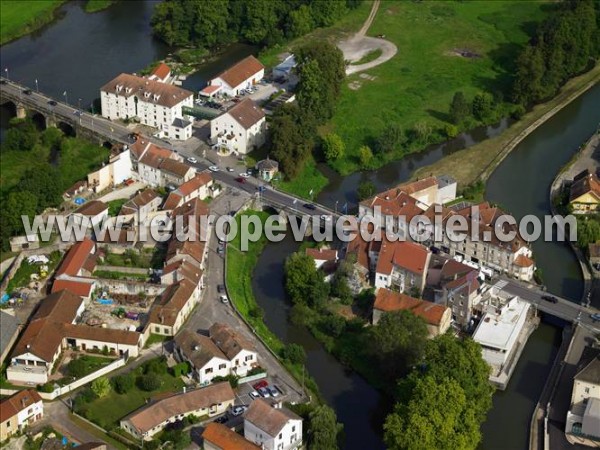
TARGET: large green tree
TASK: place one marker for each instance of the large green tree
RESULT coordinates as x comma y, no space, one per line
459,108
323,429
303,282
291,138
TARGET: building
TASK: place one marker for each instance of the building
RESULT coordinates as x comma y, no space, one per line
90,213
583,418
322,256
118,169
52,328
437,317
75,270
200,186
240,76
446,191
161,73
584,196
403,265
153,103
241,129
27,242
461,291
267,169
160,166
217,436
285,68
9,330
144,203
499,330
239,350
151,419
19,411
272,427
172,309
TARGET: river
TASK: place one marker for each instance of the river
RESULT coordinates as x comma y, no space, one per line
80,52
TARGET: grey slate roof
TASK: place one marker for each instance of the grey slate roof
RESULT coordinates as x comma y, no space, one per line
8,327
588,369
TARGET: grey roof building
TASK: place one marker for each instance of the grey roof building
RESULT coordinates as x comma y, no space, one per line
9,330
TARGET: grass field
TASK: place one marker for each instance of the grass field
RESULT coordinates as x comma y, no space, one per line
309,179
23,274
478,161
418,83
16,19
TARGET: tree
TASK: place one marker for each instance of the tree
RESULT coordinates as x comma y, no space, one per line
332,324
149,382
123,383
22,136
391,138
291,139
340,288
323,429
366,189
303,282
77,367
422,131
19,203
300,22
101,387
294,353
43,181
459,108
178,439
365,156
327,12
483,105
437,415
333,147
398,341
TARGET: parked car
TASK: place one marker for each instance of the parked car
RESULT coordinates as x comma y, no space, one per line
224,299
229,169
220,288
309,206
278,389
550,298
213,168
238,410
595,317
273,391
52,102
244,175
264,392
260,384
254,395
240,180
27,92
192,160
221,419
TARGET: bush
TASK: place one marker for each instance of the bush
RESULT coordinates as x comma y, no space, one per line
123,383
101,387
233,380
77,367
180,369
48,387
294,353
451,131
156,365
149,382
256,370
518,112
365,190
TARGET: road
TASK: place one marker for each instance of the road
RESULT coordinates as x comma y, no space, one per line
563,308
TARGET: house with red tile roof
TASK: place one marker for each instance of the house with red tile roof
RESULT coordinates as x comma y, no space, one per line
461,291
322,256
197,187
403,265
75,270
240,76
19,411
217,436
584,195
437,317
90,213
161,73
241,129
172,308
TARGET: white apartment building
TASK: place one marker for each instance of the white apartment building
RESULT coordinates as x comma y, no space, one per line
241,129
272,427
158,105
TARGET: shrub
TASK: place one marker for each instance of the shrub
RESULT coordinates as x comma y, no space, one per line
451,131
123,383
149,382
48,387
101,387
294,353
233,380
77,367
156,365
180,369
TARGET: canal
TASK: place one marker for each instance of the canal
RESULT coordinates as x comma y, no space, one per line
80,52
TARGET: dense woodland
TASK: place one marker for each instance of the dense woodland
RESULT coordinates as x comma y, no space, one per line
258,22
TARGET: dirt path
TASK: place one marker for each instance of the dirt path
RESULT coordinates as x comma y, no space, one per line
360,45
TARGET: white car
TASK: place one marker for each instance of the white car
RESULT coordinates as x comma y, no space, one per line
254,395
229,169
213,168
325,217
192,160
224,299
238,410
244,175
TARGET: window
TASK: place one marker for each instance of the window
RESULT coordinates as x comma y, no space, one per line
209,370
587,390
222,366
293,428
249,358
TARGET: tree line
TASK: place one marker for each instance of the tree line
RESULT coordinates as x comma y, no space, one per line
565,44
259,22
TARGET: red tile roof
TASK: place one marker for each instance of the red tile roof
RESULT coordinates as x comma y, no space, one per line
386,300
418,186
91,208
167,94
246,113
199,180
584,183
154,156
75,258
226,439
524,261
406,255
162,71
80,288
241,71
359,247
322,254
13,405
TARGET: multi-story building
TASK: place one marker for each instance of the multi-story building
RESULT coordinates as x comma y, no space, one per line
272,427
19,411
583,418
241,129
403,265
584,196
153,103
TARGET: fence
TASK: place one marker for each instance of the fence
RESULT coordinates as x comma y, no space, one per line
250,378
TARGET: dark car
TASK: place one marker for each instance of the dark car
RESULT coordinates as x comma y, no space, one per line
27,92
240,180
550,298
3,82
221,419
52,102
220,288
310,206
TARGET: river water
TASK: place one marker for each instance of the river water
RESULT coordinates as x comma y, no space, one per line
80,52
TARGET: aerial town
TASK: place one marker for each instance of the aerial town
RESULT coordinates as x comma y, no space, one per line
248,241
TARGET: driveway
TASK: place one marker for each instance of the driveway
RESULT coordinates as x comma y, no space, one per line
125,192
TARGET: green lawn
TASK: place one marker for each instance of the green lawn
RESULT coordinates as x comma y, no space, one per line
92,363
146,259
112,275
310,178
97,5
418,83
107,411
18,18
23,274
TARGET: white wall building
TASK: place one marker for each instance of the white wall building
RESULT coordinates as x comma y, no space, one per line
240,76
241,129
272,427
158,105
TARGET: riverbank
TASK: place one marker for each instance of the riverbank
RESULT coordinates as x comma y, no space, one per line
93,6
580,161
479,161
17,21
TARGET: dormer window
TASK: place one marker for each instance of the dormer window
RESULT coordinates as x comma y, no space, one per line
119,87
156,97
127,90
146,94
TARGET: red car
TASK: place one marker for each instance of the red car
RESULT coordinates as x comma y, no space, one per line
240,180
260,384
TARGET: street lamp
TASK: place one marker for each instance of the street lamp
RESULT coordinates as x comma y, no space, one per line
79,104
336,203
37,88
6,71
66,98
